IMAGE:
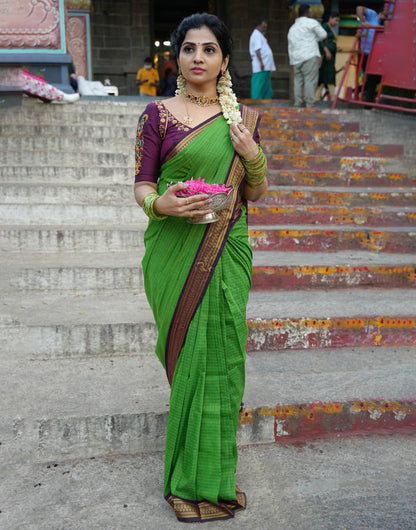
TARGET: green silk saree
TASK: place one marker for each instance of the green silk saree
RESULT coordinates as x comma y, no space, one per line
197,279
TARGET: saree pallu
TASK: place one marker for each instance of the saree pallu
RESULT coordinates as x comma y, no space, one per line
197,279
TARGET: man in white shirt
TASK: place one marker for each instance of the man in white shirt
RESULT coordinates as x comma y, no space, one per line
304,55
262,62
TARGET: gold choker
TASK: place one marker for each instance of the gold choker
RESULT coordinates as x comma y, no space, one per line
202,101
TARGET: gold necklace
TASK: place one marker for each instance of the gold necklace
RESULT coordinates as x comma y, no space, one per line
202,101
187,118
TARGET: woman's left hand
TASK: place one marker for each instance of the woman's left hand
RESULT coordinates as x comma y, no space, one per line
243,141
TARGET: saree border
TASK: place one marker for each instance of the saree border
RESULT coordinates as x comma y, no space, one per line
207,257
188,511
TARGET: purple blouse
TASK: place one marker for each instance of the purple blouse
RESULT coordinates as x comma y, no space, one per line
158,131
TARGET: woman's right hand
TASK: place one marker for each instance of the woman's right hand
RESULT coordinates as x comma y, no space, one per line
170,204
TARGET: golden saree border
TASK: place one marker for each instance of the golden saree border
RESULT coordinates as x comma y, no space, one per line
206,258
203,511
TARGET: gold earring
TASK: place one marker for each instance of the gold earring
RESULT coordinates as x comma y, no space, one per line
180,83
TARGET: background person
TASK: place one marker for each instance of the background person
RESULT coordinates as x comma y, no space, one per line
148,79
328,48
262,62
197,276
368,17
304,55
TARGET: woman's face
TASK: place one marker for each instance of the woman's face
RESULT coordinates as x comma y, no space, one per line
333,21
200,57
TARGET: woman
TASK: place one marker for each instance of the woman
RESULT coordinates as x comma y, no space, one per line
197,276
328,48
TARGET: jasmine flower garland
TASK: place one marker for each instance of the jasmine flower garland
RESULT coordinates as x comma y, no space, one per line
228,101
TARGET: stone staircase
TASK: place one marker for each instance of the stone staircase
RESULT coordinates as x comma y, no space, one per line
332,312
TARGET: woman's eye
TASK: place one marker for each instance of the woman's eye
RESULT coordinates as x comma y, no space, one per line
188,49
210,50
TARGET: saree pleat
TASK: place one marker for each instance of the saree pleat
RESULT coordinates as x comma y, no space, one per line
208,380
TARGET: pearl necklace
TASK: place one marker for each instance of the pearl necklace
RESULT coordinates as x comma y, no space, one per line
202,101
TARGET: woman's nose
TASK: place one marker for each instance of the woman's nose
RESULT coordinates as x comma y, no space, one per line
198,55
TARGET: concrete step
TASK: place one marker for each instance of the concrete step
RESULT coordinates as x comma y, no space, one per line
101,118
67,143
355,482
76,272
353,164
286,108
84,107
78,193
72,158
74,214
306,195
71,238
297,270
125,175
82,193
77,131
333,238
331,318
337,148
32,145
114,143
347,176
96,272
94,214
119,405
381,216
62,324
301,124
129,133
276,238
269,133
293,177
64,174
87,111
301,238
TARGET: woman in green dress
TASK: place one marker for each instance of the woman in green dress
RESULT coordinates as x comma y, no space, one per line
328,48
197,276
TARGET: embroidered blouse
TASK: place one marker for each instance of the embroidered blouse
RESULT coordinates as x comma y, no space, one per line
158,131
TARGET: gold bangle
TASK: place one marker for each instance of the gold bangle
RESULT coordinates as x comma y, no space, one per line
148,207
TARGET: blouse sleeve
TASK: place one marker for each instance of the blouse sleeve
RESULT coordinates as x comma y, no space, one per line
148,145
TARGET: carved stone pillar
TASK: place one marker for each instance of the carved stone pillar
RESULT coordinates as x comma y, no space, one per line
78,33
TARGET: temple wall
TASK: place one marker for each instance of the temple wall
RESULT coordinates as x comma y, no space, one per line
240,18
121,38
121,34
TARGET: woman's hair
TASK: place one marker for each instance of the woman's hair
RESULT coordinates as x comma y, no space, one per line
212,22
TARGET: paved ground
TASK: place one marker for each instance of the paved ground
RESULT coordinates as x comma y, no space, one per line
345,484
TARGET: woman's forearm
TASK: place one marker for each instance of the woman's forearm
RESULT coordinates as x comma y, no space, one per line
141,189
254,194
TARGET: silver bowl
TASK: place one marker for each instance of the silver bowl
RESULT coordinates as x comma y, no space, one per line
219,202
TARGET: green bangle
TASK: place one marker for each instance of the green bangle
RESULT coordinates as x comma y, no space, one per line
257,184
247,152
148,207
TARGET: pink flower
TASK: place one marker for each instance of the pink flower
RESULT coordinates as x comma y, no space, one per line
200,186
